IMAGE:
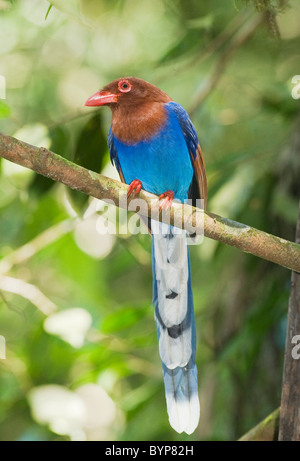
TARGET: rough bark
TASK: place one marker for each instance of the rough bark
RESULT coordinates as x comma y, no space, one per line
290,397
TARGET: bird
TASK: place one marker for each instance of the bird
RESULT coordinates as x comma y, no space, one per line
154,146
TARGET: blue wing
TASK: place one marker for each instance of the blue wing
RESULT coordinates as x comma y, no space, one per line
198,187
114,154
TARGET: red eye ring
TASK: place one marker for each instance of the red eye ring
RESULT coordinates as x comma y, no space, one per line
124,86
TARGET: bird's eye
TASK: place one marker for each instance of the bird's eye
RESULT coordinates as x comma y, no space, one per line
124,86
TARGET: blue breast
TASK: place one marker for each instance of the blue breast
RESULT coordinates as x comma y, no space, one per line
162,162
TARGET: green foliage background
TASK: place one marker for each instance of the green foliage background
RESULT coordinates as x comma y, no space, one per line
248,125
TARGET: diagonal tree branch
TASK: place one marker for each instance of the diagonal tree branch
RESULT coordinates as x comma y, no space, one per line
241,236
25,252
28,291
265,431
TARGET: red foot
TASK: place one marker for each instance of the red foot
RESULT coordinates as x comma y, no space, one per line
168,197
135,186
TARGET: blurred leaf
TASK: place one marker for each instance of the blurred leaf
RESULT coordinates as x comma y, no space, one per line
59,144
90,152
4,110
122,319
280,102
36,133
17,175
204,22
91,144
285,206
186,45
5,4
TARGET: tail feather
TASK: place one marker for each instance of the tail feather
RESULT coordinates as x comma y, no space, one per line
182,398
174,315
175,342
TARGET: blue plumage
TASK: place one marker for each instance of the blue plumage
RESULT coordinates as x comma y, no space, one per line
175,322
153,140
162,162
181,383
187,127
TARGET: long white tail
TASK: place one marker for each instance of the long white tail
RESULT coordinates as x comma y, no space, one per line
174,315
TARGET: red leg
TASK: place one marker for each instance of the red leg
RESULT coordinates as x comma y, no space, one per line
135,186
168,197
